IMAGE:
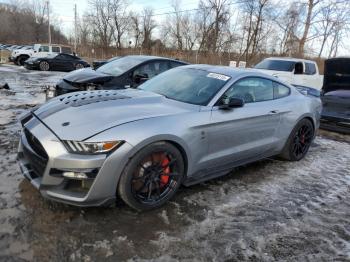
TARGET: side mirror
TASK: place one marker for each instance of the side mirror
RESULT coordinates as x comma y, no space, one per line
231,103
140,78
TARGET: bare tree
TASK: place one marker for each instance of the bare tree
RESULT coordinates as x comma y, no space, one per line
309,21
256,12
148,25
100,18
136,28
213,17
120,19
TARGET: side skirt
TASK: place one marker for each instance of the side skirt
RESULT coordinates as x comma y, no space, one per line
218,171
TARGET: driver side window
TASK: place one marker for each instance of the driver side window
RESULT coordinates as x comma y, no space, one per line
252,89
148,70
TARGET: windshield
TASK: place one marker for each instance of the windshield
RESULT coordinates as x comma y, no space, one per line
187,85
276,65
119,66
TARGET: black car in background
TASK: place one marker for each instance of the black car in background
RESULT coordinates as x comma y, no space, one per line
125,72
336,95
56,62
97,63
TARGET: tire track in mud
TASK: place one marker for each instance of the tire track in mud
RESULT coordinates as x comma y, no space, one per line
275,211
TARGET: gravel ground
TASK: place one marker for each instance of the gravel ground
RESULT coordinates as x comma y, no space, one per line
266,211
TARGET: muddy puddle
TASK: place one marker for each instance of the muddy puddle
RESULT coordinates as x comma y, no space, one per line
266,211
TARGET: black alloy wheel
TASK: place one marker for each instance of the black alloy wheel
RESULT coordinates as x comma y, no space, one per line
302,141
299,141
152,176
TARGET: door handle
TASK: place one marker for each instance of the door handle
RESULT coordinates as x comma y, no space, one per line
274,112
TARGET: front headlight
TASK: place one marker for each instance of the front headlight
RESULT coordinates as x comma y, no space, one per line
91,147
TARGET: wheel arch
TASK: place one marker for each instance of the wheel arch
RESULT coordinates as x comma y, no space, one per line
23,55
310,118
171,139
182,152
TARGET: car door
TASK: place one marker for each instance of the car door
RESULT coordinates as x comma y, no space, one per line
64,62
299,74
244,133
310,77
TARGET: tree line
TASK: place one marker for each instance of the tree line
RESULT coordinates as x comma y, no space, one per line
27,23
244,27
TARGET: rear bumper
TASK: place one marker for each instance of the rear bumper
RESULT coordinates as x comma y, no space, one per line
47,175
31,66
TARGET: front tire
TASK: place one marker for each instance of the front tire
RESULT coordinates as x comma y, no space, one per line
44,66
152,176
20,60
299,141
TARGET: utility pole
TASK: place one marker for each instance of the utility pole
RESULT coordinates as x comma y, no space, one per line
48,18
75,28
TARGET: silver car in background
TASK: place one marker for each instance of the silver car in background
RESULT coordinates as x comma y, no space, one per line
182,127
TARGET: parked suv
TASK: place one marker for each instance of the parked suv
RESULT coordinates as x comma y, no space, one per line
39,50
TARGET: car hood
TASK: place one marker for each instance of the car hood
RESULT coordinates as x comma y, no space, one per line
81,115
87,75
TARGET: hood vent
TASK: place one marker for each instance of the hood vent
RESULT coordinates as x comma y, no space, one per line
89,97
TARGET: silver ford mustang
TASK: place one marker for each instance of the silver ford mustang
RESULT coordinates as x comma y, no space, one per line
184,126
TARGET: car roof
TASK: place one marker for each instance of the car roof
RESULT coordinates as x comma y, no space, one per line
224,70
144,58
292,59
234,72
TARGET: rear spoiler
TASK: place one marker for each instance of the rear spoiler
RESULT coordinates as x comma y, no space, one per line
308,91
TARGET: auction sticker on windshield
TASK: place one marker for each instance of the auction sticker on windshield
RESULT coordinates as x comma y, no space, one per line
218,76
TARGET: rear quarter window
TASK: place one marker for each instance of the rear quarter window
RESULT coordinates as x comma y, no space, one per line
280,90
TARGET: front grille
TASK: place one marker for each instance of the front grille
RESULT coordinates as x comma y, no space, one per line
35,154
35,144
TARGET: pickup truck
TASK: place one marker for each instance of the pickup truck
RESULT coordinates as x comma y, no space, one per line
293,71
19,56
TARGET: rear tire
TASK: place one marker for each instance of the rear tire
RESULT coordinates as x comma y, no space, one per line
299,141
44,66
147,182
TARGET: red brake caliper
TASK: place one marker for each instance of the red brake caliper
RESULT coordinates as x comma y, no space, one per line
164,179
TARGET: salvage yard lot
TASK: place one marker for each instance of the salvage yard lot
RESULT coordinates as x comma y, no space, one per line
266,211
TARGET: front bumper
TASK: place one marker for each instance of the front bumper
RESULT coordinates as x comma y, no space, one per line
31,66
63,87
43,158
